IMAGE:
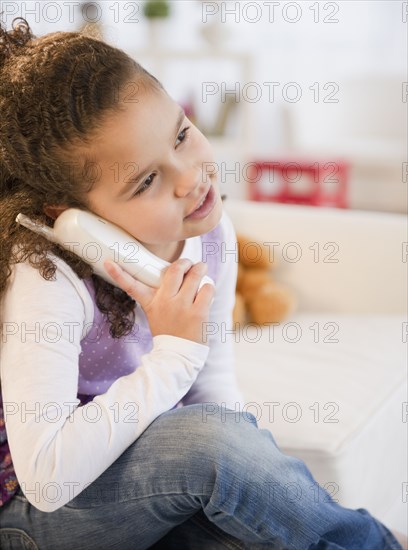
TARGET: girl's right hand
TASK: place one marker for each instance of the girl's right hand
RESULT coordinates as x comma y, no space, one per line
173,308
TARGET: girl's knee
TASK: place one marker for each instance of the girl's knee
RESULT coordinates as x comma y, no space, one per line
197,437
225,415
212,427
211,415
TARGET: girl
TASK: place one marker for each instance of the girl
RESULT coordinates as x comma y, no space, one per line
121,422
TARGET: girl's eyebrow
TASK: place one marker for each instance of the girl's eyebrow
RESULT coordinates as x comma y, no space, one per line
133,180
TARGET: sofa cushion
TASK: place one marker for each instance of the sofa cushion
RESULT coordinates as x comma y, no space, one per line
331,388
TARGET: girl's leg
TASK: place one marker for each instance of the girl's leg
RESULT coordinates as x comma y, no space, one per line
222,464
197,533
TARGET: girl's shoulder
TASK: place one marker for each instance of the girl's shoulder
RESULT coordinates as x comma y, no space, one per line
66,291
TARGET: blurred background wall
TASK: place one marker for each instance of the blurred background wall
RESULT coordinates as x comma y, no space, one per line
310,83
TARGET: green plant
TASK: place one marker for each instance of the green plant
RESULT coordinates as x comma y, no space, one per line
156,8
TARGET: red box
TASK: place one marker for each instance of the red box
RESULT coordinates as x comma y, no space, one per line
284,177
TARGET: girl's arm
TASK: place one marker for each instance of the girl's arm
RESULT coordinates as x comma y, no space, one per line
58,448
217,382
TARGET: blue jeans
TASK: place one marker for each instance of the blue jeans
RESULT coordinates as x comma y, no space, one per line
197,481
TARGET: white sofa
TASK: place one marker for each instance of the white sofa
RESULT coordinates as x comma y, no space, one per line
330,382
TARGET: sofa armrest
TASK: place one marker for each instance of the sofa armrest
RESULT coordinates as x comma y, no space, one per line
345,261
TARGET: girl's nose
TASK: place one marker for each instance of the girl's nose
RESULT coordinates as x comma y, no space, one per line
187,180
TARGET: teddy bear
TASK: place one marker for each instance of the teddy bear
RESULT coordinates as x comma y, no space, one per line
258,298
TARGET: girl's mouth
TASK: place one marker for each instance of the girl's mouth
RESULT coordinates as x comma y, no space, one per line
205,208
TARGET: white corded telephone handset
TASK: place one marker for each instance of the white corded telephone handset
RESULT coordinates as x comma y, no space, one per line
95,240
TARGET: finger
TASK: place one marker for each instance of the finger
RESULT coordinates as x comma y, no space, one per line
173,277
192,281
135,289
205,296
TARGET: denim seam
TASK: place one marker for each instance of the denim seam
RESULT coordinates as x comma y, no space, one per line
133,499
218,536
277,539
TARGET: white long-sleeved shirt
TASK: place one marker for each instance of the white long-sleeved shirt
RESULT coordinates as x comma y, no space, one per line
39,378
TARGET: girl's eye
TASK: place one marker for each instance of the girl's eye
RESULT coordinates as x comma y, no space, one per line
183,136
145,185
184,133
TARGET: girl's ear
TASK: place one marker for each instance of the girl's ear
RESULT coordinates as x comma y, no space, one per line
53,211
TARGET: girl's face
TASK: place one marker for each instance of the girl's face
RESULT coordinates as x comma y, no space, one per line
154,143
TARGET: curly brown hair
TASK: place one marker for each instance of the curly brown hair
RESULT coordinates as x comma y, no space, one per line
55,92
